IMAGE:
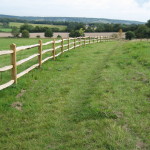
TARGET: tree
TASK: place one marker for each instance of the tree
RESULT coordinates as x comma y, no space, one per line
48,33
15,32
90,29
26,27
142,32
81,32
76,33
148,23
120,33
130,35
25,34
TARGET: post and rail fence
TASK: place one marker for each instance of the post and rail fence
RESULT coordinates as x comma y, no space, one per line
77,42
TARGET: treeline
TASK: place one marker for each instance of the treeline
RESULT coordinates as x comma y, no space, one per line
143,31
27,28
33,29
91,27
75,28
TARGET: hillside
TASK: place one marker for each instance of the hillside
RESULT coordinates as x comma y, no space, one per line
72,19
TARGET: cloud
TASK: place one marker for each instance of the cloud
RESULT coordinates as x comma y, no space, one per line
114,9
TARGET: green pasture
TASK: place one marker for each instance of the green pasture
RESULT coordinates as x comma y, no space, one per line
61,27
95,97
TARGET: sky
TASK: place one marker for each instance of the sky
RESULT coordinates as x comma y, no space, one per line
138,10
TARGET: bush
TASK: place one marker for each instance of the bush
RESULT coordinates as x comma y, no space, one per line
48,33
130,35
15,32
114,36
38,36
59,36
25,34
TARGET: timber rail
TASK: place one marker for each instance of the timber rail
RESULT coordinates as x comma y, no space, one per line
63,44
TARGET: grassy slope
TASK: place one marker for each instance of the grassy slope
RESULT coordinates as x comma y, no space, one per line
94,97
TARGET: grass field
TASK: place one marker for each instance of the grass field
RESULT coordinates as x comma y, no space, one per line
11,24
2,29
5,29
92,98
61,27
6,59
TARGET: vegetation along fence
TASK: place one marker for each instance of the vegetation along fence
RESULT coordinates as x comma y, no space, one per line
62,45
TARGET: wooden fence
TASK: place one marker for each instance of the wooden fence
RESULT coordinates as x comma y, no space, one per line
77,42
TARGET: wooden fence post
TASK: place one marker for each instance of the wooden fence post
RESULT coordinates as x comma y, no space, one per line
97,39
40,53
80,41
74,43
89,40
62,45
84,41
68,43
53,52
13,62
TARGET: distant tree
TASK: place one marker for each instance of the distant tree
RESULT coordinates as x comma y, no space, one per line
59,36
142,32
55,29
120,33
90,29
74,26
100,28
108,27
148,23
15,32
76,33
26,26
117,27
130,35
38,36
48,33
81,32
37,29
25,34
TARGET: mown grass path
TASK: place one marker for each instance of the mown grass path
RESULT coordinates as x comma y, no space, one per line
93,97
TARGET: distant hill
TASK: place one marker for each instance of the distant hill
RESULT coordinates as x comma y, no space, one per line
73,19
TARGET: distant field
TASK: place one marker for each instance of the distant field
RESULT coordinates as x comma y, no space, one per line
61,27
2,29
91,98
5,29
64,34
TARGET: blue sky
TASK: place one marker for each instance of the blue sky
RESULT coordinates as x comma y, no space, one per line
114,9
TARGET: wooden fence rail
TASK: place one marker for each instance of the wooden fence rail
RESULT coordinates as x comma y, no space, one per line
77,42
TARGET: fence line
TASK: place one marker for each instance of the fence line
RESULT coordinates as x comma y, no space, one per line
77,42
